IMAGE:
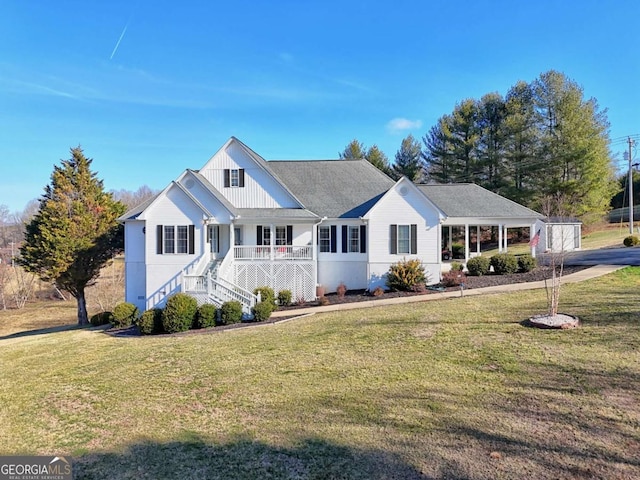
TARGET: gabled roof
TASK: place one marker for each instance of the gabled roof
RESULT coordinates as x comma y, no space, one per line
471,200
134,212
333,188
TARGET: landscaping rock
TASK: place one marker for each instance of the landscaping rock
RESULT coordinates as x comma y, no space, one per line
560,320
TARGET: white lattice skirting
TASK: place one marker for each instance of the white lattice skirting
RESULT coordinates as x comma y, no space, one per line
299,277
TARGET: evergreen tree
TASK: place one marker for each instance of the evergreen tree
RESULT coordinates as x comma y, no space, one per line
408,160
75,232
378,159
354,151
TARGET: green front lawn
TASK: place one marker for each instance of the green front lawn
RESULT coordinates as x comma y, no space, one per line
446,389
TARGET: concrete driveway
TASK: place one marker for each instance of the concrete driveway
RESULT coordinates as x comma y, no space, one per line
605,256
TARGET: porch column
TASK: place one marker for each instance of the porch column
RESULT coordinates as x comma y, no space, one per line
232,239
272,241
532,230
450,238
504,237
314,243
500,238
478,240
466,242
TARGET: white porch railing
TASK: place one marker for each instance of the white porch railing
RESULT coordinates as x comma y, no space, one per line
218,289
273,252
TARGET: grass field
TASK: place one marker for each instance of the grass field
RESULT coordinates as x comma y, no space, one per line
447,389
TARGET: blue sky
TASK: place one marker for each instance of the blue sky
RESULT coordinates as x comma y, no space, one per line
149,88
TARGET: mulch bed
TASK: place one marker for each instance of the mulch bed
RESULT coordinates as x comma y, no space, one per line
491,280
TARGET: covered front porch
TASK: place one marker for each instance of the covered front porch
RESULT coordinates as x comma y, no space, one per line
470,235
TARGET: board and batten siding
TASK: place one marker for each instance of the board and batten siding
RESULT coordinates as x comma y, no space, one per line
403,206
260,189
164,270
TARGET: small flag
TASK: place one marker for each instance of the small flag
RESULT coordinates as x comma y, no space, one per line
533,243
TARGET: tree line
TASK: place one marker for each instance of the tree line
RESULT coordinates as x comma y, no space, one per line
542,138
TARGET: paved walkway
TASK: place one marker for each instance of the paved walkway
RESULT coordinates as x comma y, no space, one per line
581,276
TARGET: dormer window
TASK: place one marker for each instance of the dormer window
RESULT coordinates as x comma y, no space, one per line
234,177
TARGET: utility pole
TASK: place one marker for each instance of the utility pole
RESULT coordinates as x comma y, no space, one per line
631,142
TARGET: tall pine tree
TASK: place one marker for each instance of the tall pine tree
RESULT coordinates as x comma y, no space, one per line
408,160
75,232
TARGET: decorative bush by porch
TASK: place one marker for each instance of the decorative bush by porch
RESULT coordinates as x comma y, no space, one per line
478,266
284,298
206,316
406,275
453,278
231,312
526,263
631,241
262,311
179,313
124,314
266,295
504,263
150,322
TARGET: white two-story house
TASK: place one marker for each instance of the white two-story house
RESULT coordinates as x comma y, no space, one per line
241,222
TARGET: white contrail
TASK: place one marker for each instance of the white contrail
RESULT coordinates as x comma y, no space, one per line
119,40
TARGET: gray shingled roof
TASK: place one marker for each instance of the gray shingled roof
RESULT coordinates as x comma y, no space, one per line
261,213
133,213
471,200
333,188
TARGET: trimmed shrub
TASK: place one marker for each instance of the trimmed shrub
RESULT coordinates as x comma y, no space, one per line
478,266
457,250
457,267
284,298
504,263
631,241
406,275
526,263
266,295
179,313
101,318
262,311
341,290
124,314
206,316
150,322
453,278
231,312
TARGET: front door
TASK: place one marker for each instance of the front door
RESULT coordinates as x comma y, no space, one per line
214,240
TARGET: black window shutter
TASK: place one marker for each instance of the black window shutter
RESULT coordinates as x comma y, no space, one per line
414,239
192,239
393,242
227,179
334,239
241,177
345,240
259,235
289,234
363,239
159,240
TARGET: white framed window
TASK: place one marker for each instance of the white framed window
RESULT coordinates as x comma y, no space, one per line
234,175
576,236
178,239
324,239
354,239
182,239
281,235
266,236
169,239
549,237
404,239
